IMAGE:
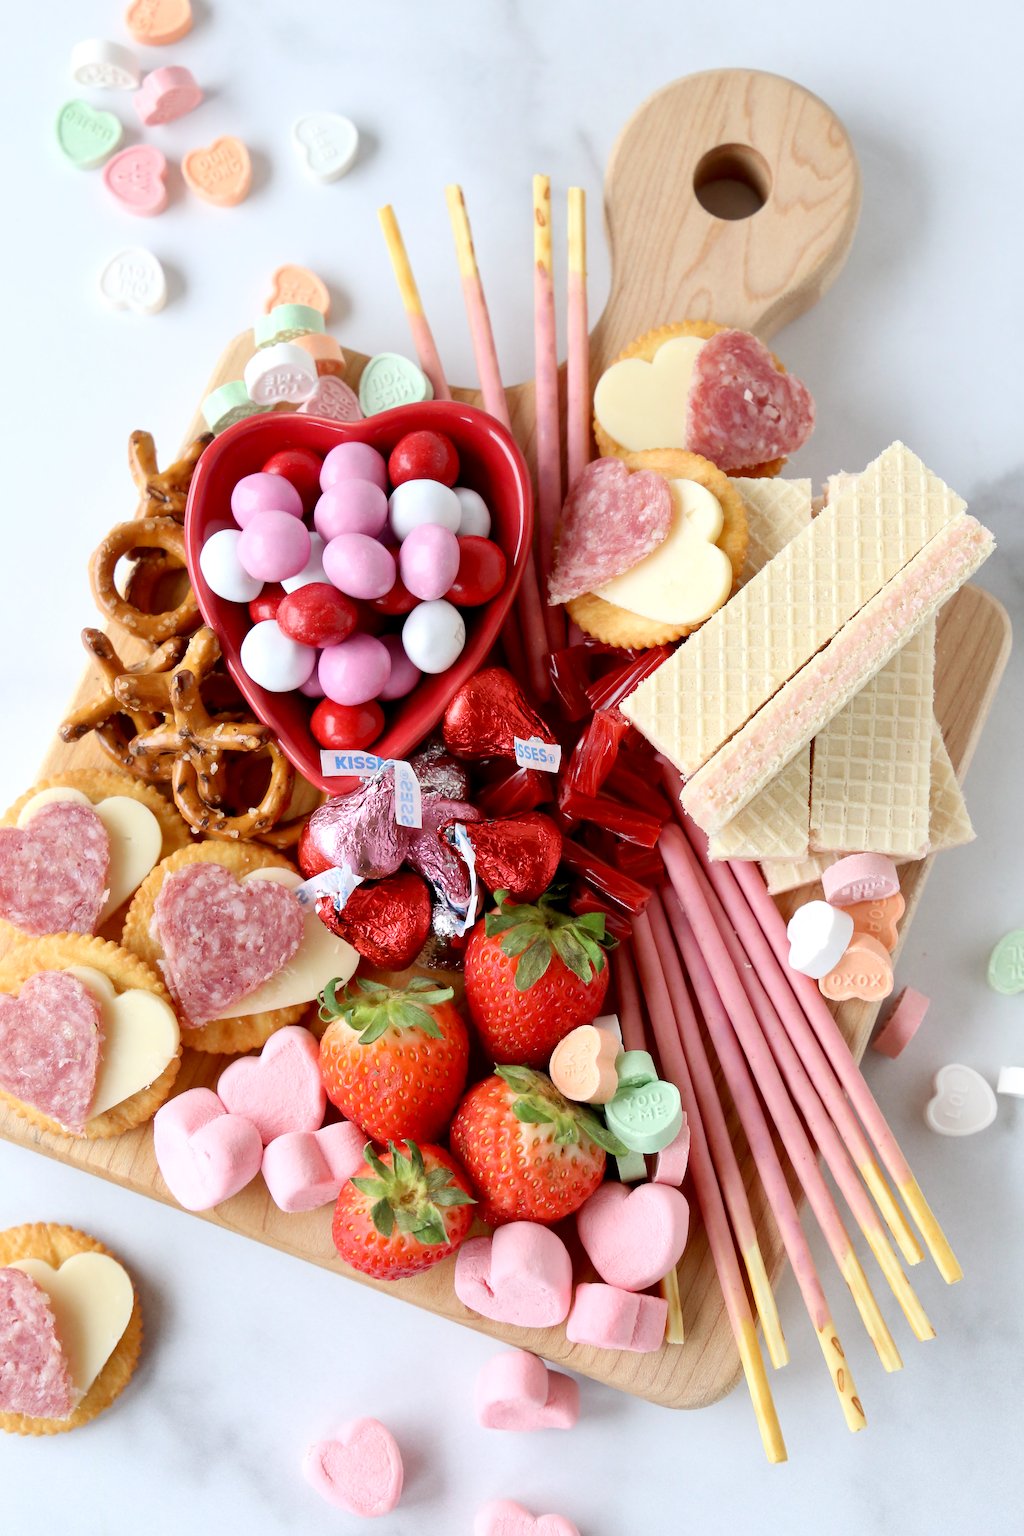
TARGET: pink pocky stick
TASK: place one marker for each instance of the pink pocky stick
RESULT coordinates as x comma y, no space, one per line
545,404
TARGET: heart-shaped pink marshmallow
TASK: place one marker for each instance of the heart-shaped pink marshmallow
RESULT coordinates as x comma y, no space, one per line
503,1517
222,938
515,1390
51,1036
359,1469
611,520
136,178
34,1375
281,1089
521,1275
633,1237
741,411
204,1154
53,872
306,1169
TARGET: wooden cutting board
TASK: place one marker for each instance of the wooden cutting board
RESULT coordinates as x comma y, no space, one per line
739,137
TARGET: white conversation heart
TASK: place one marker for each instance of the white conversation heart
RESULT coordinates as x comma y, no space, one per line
818,938
327,144
963,1104
134,279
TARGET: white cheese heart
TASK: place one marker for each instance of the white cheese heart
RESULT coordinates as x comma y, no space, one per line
134,833
91,1298
140,1036
319,958
643,405
687,577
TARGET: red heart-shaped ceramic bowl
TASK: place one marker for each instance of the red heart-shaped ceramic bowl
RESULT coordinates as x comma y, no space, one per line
490,462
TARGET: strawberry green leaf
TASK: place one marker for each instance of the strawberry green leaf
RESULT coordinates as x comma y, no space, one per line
383,1218
519,1079
411,1016
533,1114
571,952
599,1132
533,963
453,1195
432,1230
416,1160
372,1032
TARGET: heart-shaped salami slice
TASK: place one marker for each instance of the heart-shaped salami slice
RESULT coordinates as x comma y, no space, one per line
611,520
34,1375
741,410
50,1040
222,939
53,873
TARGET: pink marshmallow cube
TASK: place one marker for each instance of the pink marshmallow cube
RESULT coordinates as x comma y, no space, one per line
610,1318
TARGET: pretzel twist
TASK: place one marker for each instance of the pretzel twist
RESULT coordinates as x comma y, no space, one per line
142,533
162,492
116,724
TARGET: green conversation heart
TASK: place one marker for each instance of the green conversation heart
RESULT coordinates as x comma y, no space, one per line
285,322
87,137
228,404
647,1117
390,379
1006,964
634,1068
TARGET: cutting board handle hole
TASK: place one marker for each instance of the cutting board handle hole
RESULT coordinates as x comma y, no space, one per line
732,181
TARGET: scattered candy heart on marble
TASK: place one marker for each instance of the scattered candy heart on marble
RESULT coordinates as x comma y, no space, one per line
864,971
818,935
503,1517
389,379
136,177
516,1391
326,143
634,1237
1006,964
87,136
582,1065
158,22
281,1089
133,279
220,174
292,284
204,1154
963,1104
166,94
104,66
359,1469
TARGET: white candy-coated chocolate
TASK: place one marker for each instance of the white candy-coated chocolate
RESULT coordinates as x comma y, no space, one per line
140,1037
476,517
133,279
275,661
326,144
134,834
104,65
818,938
313,570
434,636
964,1103
643,405
687,577
91,1298
416,502
223,571
280,372
320,957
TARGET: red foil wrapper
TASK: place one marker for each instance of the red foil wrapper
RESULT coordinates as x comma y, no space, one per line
388,923
433,856
518,854
487,714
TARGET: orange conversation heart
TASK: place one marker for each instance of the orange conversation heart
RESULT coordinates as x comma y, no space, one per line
220,174
878,918
582,1066
865,971
156,22
292,284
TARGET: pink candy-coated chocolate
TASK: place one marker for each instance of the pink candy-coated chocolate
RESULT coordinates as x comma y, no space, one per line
404,673
204,1154
670,1163
516,1391
860,877
355,671
354,461
166,94
359,1470
610,1318
281,1089
263,493
521,1275
312,687
504,1517
136,177
274,546
305,1170
428,561
359,566
351,506
633,1237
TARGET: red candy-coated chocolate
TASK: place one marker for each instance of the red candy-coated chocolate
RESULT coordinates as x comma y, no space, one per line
397,601
625,821
593,756
346,727
604,877
317,614
522,790
302,468
481,574
266,605
424,456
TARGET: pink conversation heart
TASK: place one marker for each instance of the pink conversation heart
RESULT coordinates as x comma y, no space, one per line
136,177
515,1390
204,1154
306,1169
633,1237
281,1089
521,1275
503,1517
165,94
360,1469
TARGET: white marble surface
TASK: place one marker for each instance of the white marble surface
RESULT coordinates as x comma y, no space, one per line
250,1355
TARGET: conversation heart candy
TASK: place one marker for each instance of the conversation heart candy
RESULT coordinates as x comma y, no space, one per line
879,918
166,94
1011,1082
87,137
963,1104
292,284
903,1022
286,322
136,177
647,1117
326,144
105,66
220,174
582,1065
864,971
280,372
134,279
634,1068
332,399
818,935
1006,964
860,877
158,22
229,403
389,380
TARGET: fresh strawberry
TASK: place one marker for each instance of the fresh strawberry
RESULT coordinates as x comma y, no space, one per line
412,1213
533,973
394,1060
532,1155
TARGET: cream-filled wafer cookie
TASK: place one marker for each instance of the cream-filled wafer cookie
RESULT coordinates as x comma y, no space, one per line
775,823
